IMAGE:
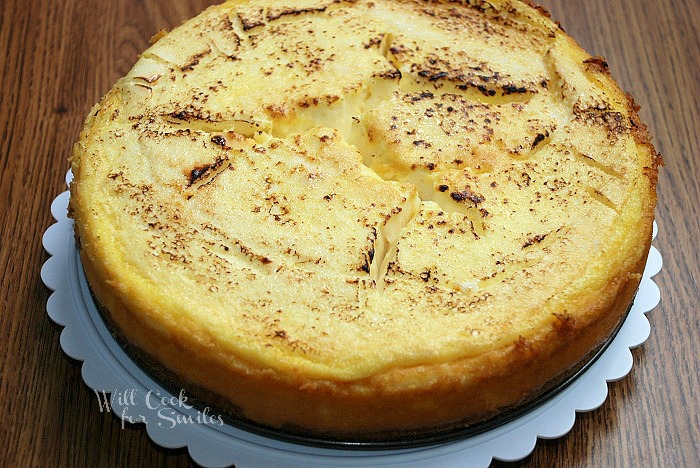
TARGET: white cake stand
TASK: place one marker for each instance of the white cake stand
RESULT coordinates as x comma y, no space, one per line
172,422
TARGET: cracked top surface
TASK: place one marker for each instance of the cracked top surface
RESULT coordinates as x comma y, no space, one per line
344,187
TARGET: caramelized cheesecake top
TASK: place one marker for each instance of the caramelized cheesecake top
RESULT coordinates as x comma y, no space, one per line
336,188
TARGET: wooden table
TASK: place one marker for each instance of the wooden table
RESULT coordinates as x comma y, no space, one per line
58,57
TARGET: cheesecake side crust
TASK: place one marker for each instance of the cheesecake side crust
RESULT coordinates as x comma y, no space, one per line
376,409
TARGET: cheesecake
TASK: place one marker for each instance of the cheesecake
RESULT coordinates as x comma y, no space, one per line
364,220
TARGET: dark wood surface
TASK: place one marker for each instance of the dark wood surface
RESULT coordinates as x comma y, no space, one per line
58,57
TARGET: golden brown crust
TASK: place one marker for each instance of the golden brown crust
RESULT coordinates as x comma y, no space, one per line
374,410
363,227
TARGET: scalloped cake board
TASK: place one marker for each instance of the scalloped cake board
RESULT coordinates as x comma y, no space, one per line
123,388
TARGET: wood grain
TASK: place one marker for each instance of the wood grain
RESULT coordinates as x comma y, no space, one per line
58,58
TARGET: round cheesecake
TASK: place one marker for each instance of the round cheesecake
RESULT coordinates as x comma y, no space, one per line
364,220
